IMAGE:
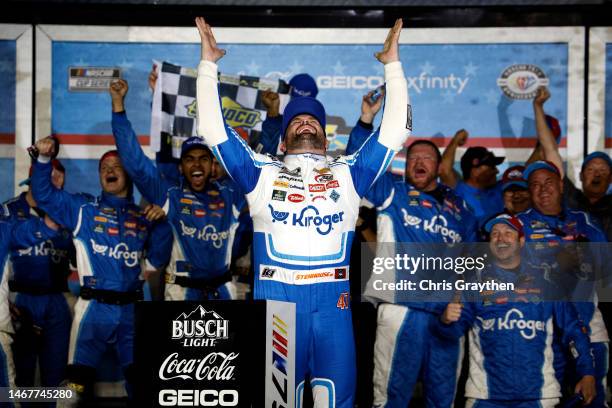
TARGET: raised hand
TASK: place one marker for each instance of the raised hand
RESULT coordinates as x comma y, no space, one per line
46,146
369,109
390,51
542,95
152,79
271,101
461,137
210,51
452,313
154,212
118,89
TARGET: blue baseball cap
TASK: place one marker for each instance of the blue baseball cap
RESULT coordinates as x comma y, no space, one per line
540,165
194,142
507,219
303,85
597,155
303,105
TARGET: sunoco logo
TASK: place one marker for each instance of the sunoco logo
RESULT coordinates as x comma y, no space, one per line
514,320
521,81
237,115
200,328
308,217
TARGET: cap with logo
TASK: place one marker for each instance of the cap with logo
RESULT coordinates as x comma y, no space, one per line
513,177
507,219
193,142
597,155
303,85
540,165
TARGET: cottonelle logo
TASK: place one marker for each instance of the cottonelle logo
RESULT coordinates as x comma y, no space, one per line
200,328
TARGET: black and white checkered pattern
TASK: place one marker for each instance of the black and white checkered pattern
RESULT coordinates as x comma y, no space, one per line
173,116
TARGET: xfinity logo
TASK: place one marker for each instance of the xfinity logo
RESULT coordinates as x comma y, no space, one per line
308,217
207,233
419,83
120,251
514,320
199,328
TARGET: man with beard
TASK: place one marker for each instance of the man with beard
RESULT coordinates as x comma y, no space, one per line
304,211
417,210
203,214
511,331
550,229
479,187
111,235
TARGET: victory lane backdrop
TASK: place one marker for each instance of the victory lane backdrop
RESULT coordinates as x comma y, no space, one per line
209,352
451,86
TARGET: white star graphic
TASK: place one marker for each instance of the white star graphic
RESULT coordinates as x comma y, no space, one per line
427,68
296,68
492,96
125,64
339,68
252,68
470,69
448,96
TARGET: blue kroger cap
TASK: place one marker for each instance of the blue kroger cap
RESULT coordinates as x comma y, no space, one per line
303,85
304,105
191,143
540,165
597,155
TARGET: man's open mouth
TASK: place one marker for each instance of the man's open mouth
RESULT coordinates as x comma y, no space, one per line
197,176
111,179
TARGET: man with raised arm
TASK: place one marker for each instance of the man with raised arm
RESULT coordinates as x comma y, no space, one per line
304,211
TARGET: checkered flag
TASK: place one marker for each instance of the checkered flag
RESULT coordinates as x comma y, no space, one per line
173,116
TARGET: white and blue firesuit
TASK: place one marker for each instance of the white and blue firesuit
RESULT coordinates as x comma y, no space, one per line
405,347
203,223
304,211
39,278
111,236
511,336
546,236
13,235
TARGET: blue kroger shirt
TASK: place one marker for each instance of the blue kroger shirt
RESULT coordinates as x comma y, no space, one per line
203,223
110,234
45,265
511,337
483,203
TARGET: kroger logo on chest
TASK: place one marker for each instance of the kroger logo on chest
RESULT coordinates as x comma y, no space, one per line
322,220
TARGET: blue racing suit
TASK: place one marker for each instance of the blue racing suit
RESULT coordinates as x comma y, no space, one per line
14,235
110,236
511,334
39,276
547,237
405,347
203,223
304,212
484,203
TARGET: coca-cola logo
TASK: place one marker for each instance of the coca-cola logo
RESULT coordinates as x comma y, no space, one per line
215,366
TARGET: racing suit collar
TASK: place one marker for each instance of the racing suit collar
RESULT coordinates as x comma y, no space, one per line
114,201
306,162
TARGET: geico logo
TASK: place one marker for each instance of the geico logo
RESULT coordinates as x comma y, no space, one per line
314,275
349,82
198,398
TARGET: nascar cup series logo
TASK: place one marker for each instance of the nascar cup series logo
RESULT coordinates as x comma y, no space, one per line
521,81
200,328
514,320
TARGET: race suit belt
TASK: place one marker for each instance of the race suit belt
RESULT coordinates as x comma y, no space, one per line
110,297
199,283
21,287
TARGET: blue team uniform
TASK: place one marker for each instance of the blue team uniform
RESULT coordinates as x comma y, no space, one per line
511,334
483,203
546,235
203,223
39,278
